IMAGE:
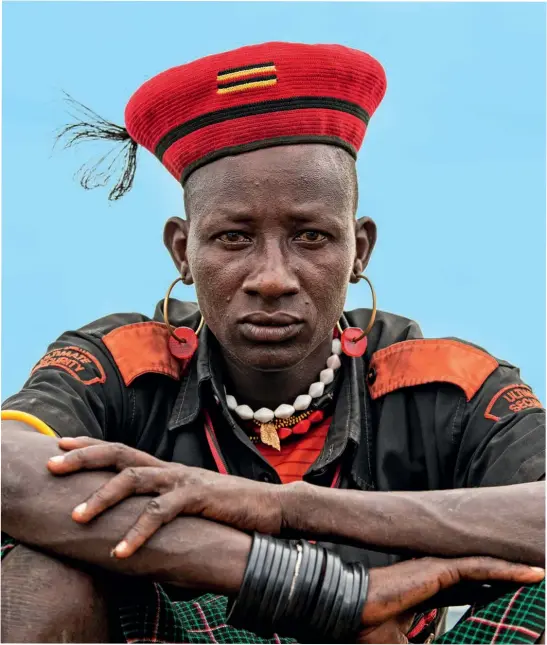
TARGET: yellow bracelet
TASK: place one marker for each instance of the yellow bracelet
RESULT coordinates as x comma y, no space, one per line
29,419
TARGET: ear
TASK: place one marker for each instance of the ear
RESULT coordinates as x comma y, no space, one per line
175,238
365,239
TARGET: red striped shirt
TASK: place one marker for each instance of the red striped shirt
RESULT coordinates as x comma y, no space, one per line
298,452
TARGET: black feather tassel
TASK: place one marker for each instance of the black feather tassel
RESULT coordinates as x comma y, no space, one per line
117,165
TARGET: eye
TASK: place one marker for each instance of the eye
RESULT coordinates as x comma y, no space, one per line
311,236
234,237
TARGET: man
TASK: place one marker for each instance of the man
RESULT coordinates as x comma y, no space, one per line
264,139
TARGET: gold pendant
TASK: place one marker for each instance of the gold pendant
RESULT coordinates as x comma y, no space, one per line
269,436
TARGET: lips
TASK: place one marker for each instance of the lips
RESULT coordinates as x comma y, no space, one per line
262,327
277,319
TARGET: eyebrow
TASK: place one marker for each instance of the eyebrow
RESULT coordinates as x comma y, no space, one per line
238,214
298,212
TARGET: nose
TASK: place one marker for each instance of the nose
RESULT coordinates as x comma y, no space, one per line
272,276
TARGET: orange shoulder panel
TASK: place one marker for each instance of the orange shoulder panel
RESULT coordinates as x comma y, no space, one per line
416,362
140,348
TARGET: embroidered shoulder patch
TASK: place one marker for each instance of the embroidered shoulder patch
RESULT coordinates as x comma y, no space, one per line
141,348
417,362
75,361
509,400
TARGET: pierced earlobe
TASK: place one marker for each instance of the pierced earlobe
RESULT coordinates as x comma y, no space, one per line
183,341
354,340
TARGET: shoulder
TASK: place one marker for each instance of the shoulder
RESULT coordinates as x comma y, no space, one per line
388,328
489,383
132,343
400,357
102,326
416,362
179,313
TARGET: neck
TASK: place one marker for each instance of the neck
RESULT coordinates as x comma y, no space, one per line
259,389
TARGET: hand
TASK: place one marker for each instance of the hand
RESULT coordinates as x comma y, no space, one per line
399,587
393,631
242,503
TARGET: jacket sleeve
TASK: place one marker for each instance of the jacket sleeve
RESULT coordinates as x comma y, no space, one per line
75,389
502,433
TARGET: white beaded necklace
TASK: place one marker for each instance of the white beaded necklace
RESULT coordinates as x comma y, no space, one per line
301,403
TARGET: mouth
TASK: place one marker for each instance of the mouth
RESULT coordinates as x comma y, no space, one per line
260,327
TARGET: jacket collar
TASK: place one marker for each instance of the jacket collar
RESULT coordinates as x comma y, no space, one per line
352,424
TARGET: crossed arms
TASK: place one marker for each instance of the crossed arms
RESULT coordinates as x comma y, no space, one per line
209,514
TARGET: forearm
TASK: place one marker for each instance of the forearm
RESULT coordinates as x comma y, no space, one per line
36,509
506,522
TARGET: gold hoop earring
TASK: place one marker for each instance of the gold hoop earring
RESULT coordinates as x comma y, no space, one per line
354,340
183,341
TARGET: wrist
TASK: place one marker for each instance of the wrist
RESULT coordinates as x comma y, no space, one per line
299,590
295,505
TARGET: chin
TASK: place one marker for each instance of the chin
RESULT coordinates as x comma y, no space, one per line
272,358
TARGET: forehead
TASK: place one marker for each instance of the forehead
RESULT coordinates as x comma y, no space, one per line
283,175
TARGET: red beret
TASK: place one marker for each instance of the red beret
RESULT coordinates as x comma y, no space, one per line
256,97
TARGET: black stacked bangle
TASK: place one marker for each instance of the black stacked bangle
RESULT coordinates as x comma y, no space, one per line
300,590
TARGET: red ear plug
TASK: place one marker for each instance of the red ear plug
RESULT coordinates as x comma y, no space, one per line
183,341
350,345
186,345
353,340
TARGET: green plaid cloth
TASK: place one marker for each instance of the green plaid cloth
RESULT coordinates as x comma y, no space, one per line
149,615
155,618
517,617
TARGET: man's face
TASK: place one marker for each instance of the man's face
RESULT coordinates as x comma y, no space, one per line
271,244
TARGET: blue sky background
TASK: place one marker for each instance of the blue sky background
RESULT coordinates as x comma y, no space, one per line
452,169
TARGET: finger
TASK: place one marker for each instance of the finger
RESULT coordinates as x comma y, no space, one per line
468,593
486,569
387,632
105,455
392,631
159,511
401,586
480,579
70,443
131,481
404,620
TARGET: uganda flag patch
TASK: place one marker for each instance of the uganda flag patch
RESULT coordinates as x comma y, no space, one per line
249,77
